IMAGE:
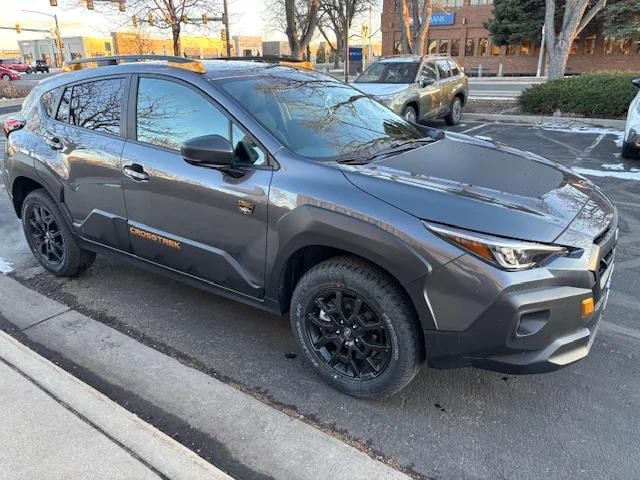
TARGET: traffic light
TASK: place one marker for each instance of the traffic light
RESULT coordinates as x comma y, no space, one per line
18,29
185,19
151,19
90,4
223,35
122,6
134,21
53,3
205,18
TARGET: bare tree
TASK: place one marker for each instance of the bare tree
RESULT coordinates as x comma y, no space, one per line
336,17
577,15
164,14
415,18
298,19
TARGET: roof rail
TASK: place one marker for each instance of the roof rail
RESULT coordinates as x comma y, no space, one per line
281,59
172,61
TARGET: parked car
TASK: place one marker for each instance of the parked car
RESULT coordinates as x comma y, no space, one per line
15,64
389,243
8,75
418,87
41,66
631,144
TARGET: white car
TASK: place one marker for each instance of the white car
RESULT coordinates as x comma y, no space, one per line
631,145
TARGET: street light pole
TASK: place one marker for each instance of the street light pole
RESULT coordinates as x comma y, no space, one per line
226,27
56,32
346,42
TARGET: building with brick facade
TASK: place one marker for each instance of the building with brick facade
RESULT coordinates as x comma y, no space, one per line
458,30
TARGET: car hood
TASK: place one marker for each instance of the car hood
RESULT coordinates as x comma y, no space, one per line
378,89
478,185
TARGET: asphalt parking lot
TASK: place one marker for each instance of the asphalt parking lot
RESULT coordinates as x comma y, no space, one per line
581,421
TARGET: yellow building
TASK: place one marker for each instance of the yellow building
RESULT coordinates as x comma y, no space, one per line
131,43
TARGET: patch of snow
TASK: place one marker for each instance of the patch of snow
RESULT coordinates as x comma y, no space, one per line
5,267
482,137
619,134
614,166
633,174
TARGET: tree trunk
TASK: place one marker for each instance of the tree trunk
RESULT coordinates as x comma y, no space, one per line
175,32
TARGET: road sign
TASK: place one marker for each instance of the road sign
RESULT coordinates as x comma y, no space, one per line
355,54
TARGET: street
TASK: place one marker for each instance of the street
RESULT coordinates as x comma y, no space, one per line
581,421
499,88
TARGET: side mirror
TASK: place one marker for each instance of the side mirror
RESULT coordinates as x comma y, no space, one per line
425,82
636,82
208,151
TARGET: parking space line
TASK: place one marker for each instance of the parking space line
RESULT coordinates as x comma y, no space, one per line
477,127
626,331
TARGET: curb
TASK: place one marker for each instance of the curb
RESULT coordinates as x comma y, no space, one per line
243,433
163,453
539,120
11,102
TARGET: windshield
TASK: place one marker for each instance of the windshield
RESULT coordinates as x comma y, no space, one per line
390,72
319,118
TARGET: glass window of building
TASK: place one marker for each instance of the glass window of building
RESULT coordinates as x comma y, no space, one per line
470,47
483,46
609,43
624,46
444,47
433,47
511,50
574,47
589,45
525,47
481,2
495,49
455,47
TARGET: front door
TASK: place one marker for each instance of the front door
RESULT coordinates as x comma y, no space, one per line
199,221
430,94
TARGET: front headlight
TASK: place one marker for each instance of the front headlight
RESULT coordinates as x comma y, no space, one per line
502,252
385,99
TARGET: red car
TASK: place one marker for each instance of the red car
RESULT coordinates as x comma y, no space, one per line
7,75
15,64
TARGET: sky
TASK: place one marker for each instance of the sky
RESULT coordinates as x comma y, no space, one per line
248,17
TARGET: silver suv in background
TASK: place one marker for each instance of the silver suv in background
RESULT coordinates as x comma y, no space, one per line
418,87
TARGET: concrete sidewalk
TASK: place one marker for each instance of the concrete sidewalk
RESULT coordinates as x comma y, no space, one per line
53,426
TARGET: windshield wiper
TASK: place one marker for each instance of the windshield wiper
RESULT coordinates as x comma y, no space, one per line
391,150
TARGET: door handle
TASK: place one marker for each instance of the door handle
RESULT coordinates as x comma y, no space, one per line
135,172
54,143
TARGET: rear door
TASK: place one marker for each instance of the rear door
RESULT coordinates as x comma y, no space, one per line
85,140
444,84
199,221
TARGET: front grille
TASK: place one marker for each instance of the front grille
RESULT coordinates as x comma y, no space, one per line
605,262
606,241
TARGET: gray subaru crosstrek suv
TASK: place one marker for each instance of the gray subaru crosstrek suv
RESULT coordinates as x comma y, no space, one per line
389,243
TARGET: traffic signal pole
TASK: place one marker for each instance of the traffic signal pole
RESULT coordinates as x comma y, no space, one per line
57,32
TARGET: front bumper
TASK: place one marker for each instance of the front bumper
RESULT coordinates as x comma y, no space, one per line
535,324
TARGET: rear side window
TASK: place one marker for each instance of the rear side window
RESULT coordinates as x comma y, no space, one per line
97,105
49,100
443,68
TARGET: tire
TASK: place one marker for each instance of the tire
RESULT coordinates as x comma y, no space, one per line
455,112
6,78
29,71
50,237
410,114
385,328
629,151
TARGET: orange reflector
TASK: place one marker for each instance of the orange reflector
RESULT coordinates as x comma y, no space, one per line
587,307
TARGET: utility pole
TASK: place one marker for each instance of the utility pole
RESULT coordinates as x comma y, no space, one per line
226,27
541,57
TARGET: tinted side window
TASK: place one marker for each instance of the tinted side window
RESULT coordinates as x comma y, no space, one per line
63,109
98,105
169,113
453,66
443,68
49,100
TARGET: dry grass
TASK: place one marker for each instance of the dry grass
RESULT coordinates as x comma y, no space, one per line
11,90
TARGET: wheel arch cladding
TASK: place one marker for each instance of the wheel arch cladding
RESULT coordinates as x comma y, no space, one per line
310,235
22,186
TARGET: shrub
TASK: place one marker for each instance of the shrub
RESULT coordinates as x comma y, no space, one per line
10,90
605,94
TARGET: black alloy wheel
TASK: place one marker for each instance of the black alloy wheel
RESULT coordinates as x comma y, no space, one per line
46,238
348,335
